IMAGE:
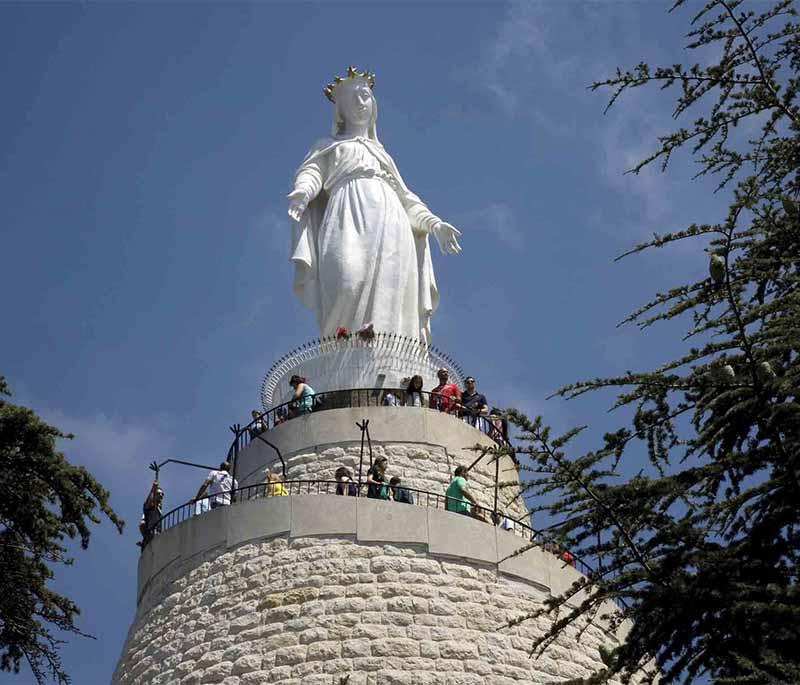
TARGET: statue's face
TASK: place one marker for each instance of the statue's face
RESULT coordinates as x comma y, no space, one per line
355,102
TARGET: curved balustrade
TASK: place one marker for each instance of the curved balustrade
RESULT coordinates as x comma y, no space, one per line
421,498
493,426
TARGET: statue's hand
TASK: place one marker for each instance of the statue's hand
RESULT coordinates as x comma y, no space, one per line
298,201
447,237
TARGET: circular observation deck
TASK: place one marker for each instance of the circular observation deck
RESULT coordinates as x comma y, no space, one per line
320,588
313,586
313,509
422,446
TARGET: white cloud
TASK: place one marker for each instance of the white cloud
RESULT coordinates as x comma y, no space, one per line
629,135
537,63
497,219
523,49
116,450
101,440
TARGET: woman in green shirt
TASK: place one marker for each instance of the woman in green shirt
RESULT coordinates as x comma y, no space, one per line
303,395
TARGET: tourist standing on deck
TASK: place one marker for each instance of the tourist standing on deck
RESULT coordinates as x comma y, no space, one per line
303,395
219,484
446,395
474,403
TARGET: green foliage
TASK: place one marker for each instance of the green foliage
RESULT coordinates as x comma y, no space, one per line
43,501
702,544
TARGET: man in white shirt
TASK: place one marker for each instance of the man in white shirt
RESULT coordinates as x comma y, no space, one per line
219,485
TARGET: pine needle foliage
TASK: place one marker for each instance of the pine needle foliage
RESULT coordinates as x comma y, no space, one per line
701,546
44,500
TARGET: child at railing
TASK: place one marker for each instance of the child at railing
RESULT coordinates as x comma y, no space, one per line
275,486
414,392
344,482
257,427
400,494
390,399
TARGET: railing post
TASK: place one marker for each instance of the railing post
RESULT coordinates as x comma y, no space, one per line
369,442
277,451
496,485
237,429
363,426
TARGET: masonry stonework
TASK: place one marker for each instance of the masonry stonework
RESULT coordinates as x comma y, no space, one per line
314,610
315,588
421,467
423,447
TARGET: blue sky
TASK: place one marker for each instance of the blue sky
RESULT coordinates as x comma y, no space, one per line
145,154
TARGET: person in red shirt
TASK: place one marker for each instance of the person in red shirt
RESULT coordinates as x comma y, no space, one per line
445,396
567,557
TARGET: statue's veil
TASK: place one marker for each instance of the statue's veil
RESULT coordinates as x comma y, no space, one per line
372,131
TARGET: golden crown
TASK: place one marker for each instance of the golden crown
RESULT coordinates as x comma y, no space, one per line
352,73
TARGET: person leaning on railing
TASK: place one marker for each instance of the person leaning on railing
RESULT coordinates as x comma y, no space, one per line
257,426
344,482
414,392
390,399
376,480
303,396
398,493
275,486
219,483
473,403
445,396
458,495
150,523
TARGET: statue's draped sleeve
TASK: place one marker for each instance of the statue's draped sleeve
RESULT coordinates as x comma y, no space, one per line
422,219
310,178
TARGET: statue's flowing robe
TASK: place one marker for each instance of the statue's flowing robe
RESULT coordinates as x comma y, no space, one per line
361,249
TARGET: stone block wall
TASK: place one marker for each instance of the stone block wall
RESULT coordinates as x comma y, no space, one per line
422,467
423,447
312,610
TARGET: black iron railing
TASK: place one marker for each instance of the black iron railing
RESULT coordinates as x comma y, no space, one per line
421,498
493,426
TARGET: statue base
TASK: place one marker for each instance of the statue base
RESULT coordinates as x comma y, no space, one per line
386,361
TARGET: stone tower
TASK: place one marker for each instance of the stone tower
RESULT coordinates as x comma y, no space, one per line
317,588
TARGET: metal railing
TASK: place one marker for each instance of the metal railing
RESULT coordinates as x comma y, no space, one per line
420,498
410,352
495,427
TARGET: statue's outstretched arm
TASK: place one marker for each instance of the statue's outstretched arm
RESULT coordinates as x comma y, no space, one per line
307,184
424,222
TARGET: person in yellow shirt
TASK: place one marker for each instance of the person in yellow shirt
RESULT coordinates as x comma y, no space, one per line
275,486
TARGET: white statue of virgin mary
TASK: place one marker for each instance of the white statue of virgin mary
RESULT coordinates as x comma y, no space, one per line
360,236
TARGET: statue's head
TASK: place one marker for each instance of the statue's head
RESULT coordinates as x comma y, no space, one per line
353,100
